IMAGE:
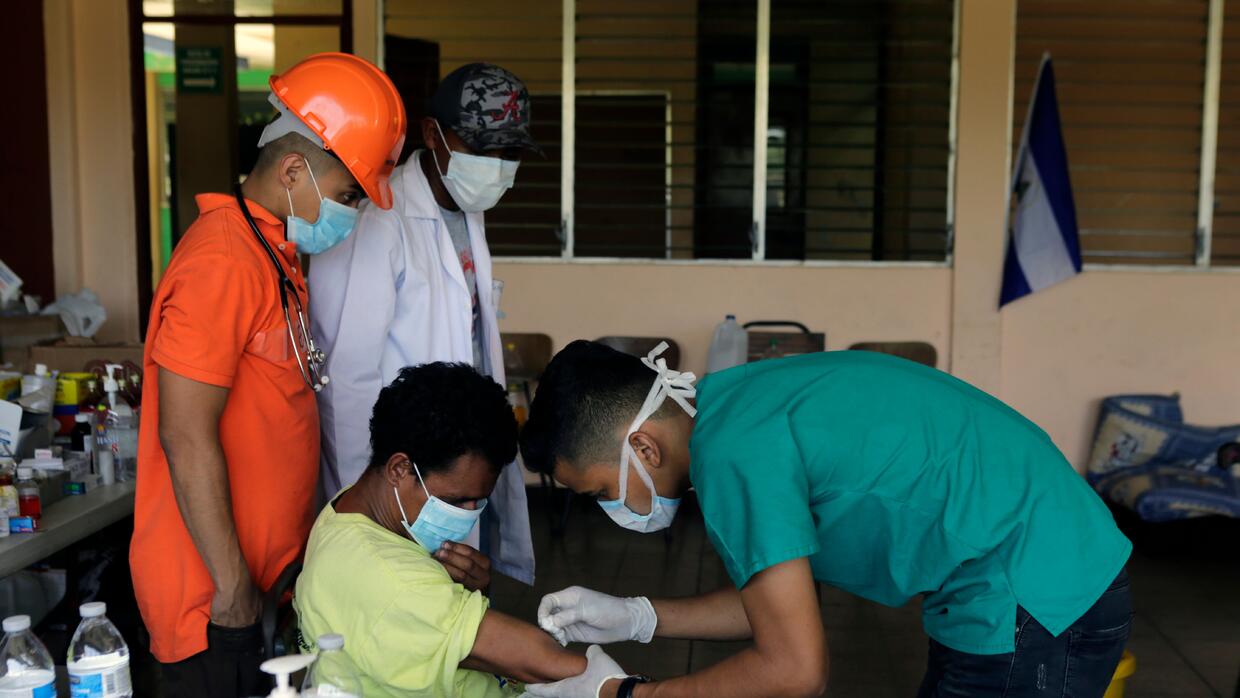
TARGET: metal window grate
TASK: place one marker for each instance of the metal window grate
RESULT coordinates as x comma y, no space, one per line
859,137
858,142
1225,246
665,104
525,39
1129,76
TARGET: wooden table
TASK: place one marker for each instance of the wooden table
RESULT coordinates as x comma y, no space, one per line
65,523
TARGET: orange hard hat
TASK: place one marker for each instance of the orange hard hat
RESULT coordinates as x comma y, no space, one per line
354,107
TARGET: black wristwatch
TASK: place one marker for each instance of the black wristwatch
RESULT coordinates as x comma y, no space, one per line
626,686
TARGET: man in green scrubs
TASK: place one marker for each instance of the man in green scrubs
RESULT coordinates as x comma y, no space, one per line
872,474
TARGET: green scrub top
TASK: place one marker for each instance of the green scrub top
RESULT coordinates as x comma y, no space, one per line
895,479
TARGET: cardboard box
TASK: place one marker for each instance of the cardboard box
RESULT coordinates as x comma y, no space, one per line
73,353
18,332
52,487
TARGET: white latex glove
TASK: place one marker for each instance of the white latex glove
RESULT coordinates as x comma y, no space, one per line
599,670
577,614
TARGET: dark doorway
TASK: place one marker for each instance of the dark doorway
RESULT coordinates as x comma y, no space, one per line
413,65
26,245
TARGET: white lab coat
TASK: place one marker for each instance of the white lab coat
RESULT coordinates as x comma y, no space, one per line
393,295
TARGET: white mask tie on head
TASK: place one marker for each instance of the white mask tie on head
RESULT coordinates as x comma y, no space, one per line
679,387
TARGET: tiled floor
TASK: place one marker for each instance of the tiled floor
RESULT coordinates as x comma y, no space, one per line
1186,636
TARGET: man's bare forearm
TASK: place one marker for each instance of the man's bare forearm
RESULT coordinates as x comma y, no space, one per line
518,650
189,433
719,615
747,674
789,655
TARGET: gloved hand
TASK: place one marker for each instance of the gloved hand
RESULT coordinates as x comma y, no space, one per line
599,670
577,614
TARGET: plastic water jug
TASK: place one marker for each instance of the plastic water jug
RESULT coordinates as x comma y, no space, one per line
730,346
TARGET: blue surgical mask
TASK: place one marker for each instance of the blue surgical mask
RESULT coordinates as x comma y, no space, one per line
334,224
662,511
438,522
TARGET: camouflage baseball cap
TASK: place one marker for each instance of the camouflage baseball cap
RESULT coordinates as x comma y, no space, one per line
487,106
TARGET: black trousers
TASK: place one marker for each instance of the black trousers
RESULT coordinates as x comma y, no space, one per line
1077,663
228,668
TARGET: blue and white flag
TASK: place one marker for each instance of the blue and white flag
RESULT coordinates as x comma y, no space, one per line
1043,245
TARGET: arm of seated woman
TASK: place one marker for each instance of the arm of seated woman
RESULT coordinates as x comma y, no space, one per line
518,650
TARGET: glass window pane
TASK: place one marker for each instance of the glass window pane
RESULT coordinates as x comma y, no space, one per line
1129,81
857,145
665,100
425,41
203,128
241,8
1225,245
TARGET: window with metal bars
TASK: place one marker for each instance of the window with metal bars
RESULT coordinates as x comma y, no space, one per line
857,144
860,103
1130,79
1225,237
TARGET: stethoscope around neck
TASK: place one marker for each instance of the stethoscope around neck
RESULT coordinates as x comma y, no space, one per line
311,365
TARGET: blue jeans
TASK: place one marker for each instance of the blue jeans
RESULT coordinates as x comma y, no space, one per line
1079,663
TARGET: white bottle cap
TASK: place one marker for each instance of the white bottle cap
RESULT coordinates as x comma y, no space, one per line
331,641
16,624
82,418
281,668
93,609
25,473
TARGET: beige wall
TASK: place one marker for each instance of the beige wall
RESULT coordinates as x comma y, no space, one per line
91,132
1110,332
1053,355
685,301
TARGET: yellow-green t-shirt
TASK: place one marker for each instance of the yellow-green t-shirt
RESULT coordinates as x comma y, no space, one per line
406,624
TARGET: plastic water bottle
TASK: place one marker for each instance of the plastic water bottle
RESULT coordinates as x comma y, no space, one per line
98,657
730,346
26,669
332,673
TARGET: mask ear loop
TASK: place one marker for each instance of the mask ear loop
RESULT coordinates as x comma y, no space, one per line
313,181
446,147
403,517
289,193
420,480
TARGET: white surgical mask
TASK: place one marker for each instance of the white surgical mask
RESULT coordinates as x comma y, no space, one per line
668,383
475,182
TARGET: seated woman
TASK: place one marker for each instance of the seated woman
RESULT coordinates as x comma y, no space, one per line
384,565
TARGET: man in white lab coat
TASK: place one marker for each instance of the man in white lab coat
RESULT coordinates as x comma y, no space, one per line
413,285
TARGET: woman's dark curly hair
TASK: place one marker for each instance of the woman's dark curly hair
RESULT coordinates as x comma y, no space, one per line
436,413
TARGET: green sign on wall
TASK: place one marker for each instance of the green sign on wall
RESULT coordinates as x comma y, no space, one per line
199,69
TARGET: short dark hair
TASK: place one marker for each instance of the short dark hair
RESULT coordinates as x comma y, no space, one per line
321,161
436,413
587,395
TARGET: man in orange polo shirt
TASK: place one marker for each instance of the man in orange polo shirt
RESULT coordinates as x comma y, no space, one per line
229,446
